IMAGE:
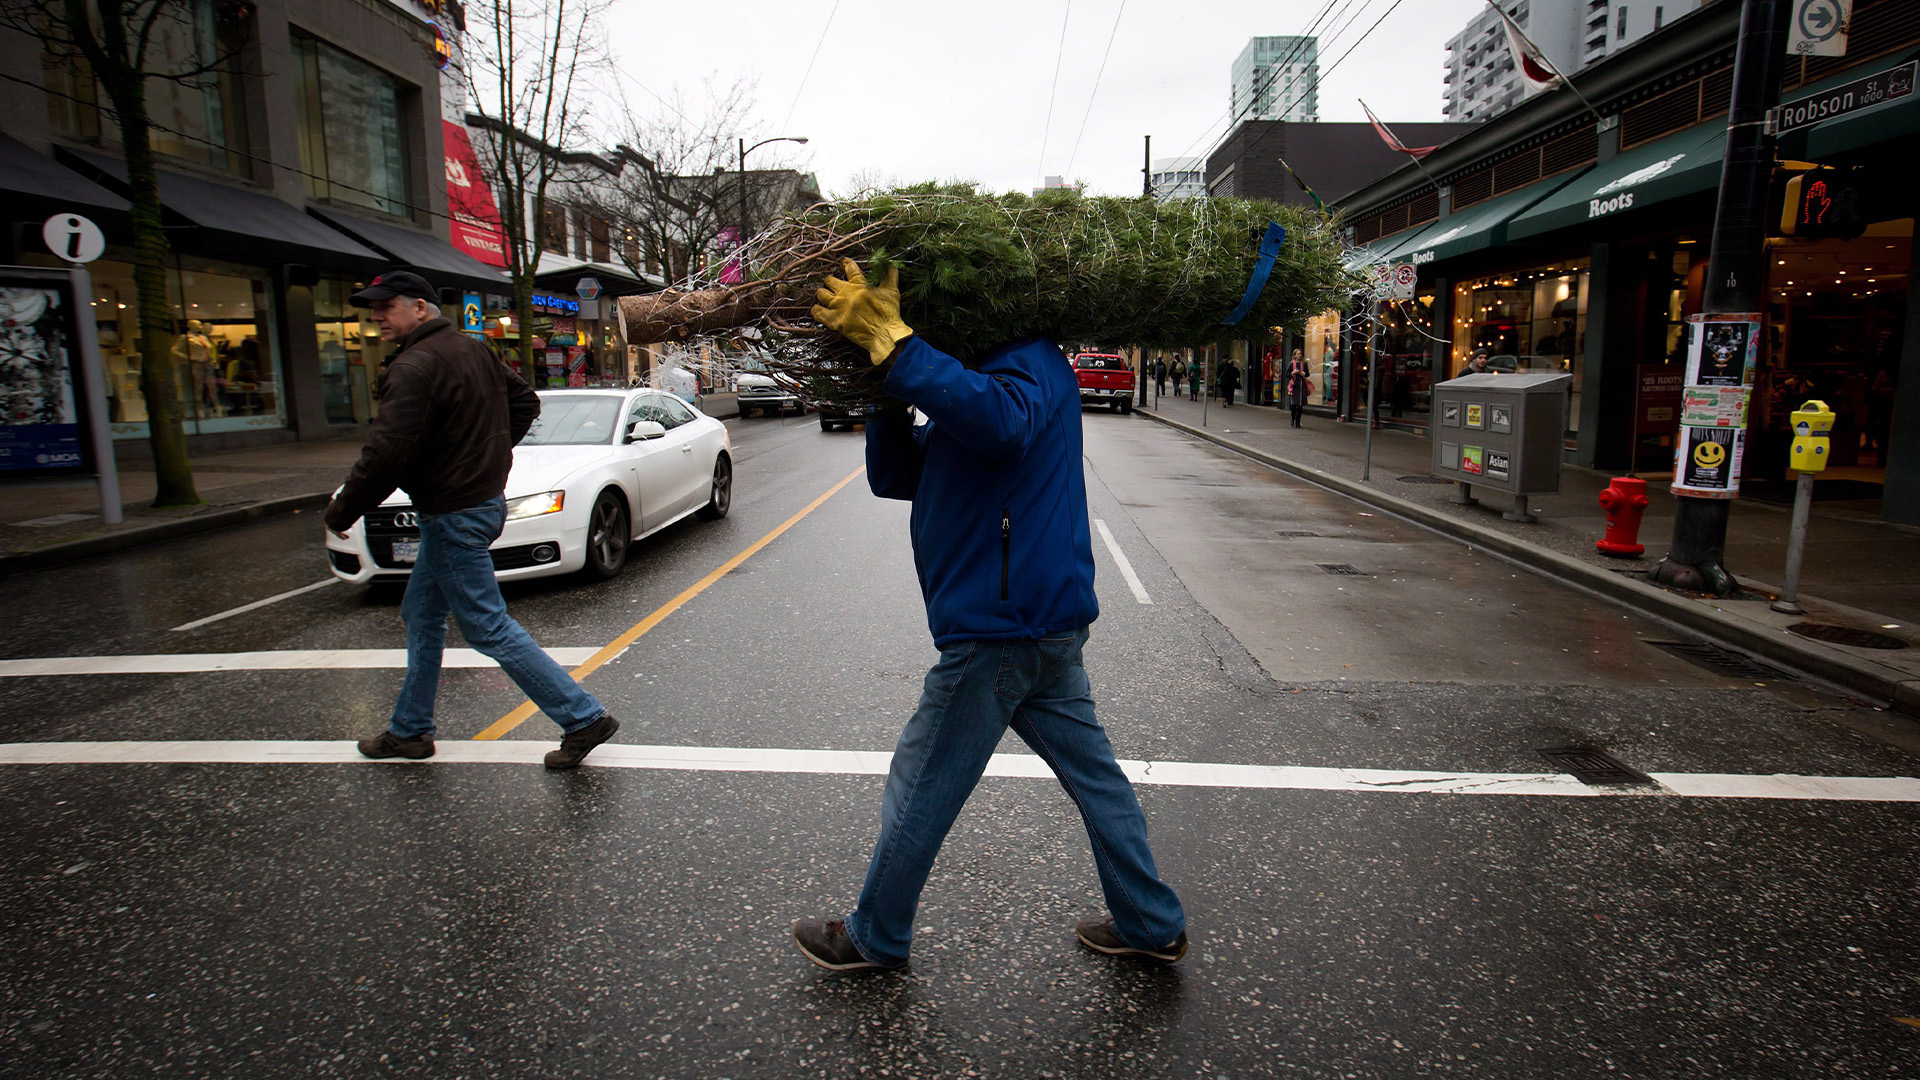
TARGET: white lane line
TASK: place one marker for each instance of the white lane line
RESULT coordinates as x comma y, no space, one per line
272,660
1126,568
1021,766
244,608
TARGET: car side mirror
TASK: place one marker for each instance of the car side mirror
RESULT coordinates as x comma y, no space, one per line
645,429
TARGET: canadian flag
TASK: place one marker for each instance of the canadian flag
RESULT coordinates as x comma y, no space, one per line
1535,69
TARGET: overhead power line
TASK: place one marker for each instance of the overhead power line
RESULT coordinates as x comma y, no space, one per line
1059,55
1111,34
810,62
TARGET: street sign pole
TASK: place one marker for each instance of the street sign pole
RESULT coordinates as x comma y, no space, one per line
94,377
1373,381
1736,276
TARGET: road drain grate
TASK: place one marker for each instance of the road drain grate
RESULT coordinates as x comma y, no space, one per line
1424,480
1340,568
1593,767
1294,534
1724,660
1847,635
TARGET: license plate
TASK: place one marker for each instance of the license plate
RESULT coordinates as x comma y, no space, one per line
406,551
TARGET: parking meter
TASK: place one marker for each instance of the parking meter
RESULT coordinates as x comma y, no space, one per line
1811,445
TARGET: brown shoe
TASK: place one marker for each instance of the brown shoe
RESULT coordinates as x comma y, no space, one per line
1098,935
387,745
575,745
825,942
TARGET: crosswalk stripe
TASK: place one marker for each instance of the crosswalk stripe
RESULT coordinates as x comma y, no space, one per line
270,660
1018,766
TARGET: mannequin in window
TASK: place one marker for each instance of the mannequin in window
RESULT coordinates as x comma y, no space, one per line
196,348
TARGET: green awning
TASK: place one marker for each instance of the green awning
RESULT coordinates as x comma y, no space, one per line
1482,225
1678,165
1365,254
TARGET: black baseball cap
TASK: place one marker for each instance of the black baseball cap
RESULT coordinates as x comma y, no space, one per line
394,283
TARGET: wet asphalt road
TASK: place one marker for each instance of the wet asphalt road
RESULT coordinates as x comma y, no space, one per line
468,920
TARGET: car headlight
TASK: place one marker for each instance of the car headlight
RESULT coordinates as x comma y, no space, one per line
536,505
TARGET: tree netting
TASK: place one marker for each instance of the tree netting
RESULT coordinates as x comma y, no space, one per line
980,271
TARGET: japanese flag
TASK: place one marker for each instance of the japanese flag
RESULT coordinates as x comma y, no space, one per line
1533,66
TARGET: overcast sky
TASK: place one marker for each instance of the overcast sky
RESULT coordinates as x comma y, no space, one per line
917,90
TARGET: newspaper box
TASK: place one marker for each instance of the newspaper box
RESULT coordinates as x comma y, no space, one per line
1500,432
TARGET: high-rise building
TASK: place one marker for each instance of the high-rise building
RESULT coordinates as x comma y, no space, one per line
1178,178
1480,78
1277,78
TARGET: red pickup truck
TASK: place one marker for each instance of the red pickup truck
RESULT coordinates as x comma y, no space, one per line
1106,378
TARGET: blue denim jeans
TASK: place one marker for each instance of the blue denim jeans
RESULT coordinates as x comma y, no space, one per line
454,575
976,691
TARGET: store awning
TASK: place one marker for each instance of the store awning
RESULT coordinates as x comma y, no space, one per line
617,279
1676,166
251,224
1356,258
1895,118
435,259
1482,225
47,183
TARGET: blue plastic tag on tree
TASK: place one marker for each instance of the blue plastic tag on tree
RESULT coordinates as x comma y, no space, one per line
1269,250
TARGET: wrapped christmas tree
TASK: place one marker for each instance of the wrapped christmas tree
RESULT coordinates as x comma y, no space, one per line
980,271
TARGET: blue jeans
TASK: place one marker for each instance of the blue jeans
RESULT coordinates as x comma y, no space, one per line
454,575
971,696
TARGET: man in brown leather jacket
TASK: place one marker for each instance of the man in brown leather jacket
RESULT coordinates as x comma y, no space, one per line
450,415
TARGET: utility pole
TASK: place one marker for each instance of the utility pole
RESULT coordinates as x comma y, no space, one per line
1736,276
1146,192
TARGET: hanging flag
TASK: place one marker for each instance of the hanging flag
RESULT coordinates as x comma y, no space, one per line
1311,194
1387,136
1532,65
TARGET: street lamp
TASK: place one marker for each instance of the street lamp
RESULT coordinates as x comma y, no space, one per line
744,148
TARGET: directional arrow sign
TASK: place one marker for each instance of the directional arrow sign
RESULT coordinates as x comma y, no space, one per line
1820,27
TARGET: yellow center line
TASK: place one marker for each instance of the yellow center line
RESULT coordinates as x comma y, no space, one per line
613,648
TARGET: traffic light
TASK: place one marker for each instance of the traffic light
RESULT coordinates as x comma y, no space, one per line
1825,203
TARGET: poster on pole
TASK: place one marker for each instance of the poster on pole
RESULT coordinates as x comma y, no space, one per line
1707,462
1722,348
39,401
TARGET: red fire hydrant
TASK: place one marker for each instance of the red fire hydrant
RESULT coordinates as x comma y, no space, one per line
1624,501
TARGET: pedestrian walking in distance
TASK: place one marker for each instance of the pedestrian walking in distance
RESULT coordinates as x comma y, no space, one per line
1229,382
1179,375
450,415
1193,380
1159,377
1298,380
1001,542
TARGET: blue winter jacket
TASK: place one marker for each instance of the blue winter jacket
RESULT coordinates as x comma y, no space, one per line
1000,535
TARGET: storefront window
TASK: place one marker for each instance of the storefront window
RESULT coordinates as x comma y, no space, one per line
352,142
1321,344
226,371
351,353
1406,353
1530,321
201,119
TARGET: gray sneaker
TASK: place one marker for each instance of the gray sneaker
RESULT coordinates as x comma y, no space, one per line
1099,935
575,745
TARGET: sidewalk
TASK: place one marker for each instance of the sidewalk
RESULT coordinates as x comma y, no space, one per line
51,521
1858,573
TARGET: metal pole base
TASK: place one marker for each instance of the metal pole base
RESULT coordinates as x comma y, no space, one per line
1787,607
1695,562
1519,512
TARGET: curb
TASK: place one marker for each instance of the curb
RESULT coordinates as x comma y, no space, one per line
1830,665
107,544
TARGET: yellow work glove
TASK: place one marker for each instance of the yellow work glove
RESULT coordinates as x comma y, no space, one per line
867,315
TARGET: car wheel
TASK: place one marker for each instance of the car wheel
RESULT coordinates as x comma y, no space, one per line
825,424
609,534
1113,405
1126,407
721,496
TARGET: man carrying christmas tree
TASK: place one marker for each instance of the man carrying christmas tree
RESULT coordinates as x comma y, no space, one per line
1005,558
